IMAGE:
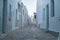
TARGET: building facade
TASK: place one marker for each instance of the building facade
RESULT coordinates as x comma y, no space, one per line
24,15
8,10
19,14
51,15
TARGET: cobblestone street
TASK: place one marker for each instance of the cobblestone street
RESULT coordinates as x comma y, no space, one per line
30,32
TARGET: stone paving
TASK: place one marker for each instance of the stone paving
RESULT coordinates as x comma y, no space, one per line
29,33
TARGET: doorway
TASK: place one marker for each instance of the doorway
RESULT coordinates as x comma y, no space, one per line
4,22
47,11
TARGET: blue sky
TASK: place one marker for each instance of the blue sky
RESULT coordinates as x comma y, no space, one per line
31,6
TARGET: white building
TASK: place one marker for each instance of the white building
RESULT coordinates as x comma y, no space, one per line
24,15
8,11
39,16
19,15
51,15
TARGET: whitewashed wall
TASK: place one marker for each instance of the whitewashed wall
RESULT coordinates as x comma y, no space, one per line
24,15
39,13
54,23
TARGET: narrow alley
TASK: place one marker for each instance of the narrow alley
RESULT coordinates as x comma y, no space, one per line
29,20
30,32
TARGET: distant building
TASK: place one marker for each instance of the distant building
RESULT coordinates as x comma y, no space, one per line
49,14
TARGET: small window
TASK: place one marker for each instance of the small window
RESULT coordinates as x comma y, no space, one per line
52,8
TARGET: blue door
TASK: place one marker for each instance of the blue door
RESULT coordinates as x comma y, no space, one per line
4,15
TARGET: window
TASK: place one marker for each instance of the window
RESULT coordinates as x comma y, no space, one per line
52,8
47,15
